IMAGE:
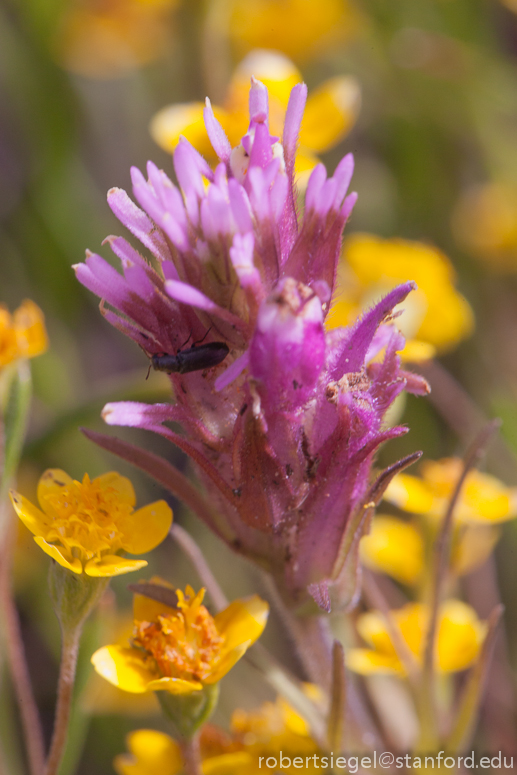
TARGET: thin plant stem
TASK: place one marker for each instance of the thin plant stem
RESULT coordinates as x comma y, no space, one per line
30,719
196,556
191,755
427,710
473,691
65,691
376,599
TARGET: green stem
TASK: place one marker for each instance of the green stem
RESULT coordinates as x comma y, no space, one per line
65,692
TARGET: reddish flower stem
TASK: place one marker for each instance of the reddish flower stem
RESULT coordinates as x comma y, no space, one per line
65,691
191,756
30,719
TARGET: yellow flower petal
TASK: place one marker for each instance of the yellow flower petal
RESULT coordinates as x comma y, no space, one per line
60,555
50,484
120,484
418,352
372,628
368,662
123,667
151,753
244,620
144,529
410,494
184,119
112,565
227,662
30,515
175,685
228,763
330,113
29,326
395,547
460,636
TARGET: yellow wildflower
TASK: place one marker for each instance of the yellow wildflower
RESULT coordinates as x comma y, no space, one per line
484,222
22,334
459,638
181,649
394,547
436,317
330,113
483,499
274,727
109,38
85,525
301,28
155,753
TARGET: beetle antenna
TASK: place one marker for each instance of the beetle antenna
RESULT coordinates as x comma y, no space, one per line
203,339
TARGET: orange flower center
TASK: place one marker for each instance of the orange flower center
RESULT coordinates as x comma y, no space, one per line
184,644
85,518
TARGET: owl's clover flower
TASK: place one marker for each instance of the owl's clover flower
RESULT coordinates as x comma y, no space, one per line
285,429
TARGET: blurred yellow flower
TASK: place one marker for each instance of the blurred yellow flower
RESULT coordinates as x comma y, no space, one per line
274,727
330,113
394,547
181,649
155,753
484,223
84,525
397,548
483,499
22,334
459,638
301,28
436,317
107,38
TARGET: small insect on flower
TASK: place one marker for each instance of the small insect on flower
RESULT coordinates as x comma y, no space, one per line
194,359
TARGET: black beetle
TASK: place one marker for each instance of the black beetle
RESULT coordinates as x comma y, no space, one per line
194,359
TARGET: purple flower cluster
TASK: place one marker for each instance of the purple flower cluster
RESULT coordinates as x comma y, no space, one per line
285,429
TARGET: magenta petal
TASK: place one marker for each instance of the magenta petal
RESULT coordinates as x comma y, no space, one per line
190,167
355,347
102,279
138,415
343,176
258,102
138,223
232,372
293,120
126,252
187,294
240,205
261,154
216,133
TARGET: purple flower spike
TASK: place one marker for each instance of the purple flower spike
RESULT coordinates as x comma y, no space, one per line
284,429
